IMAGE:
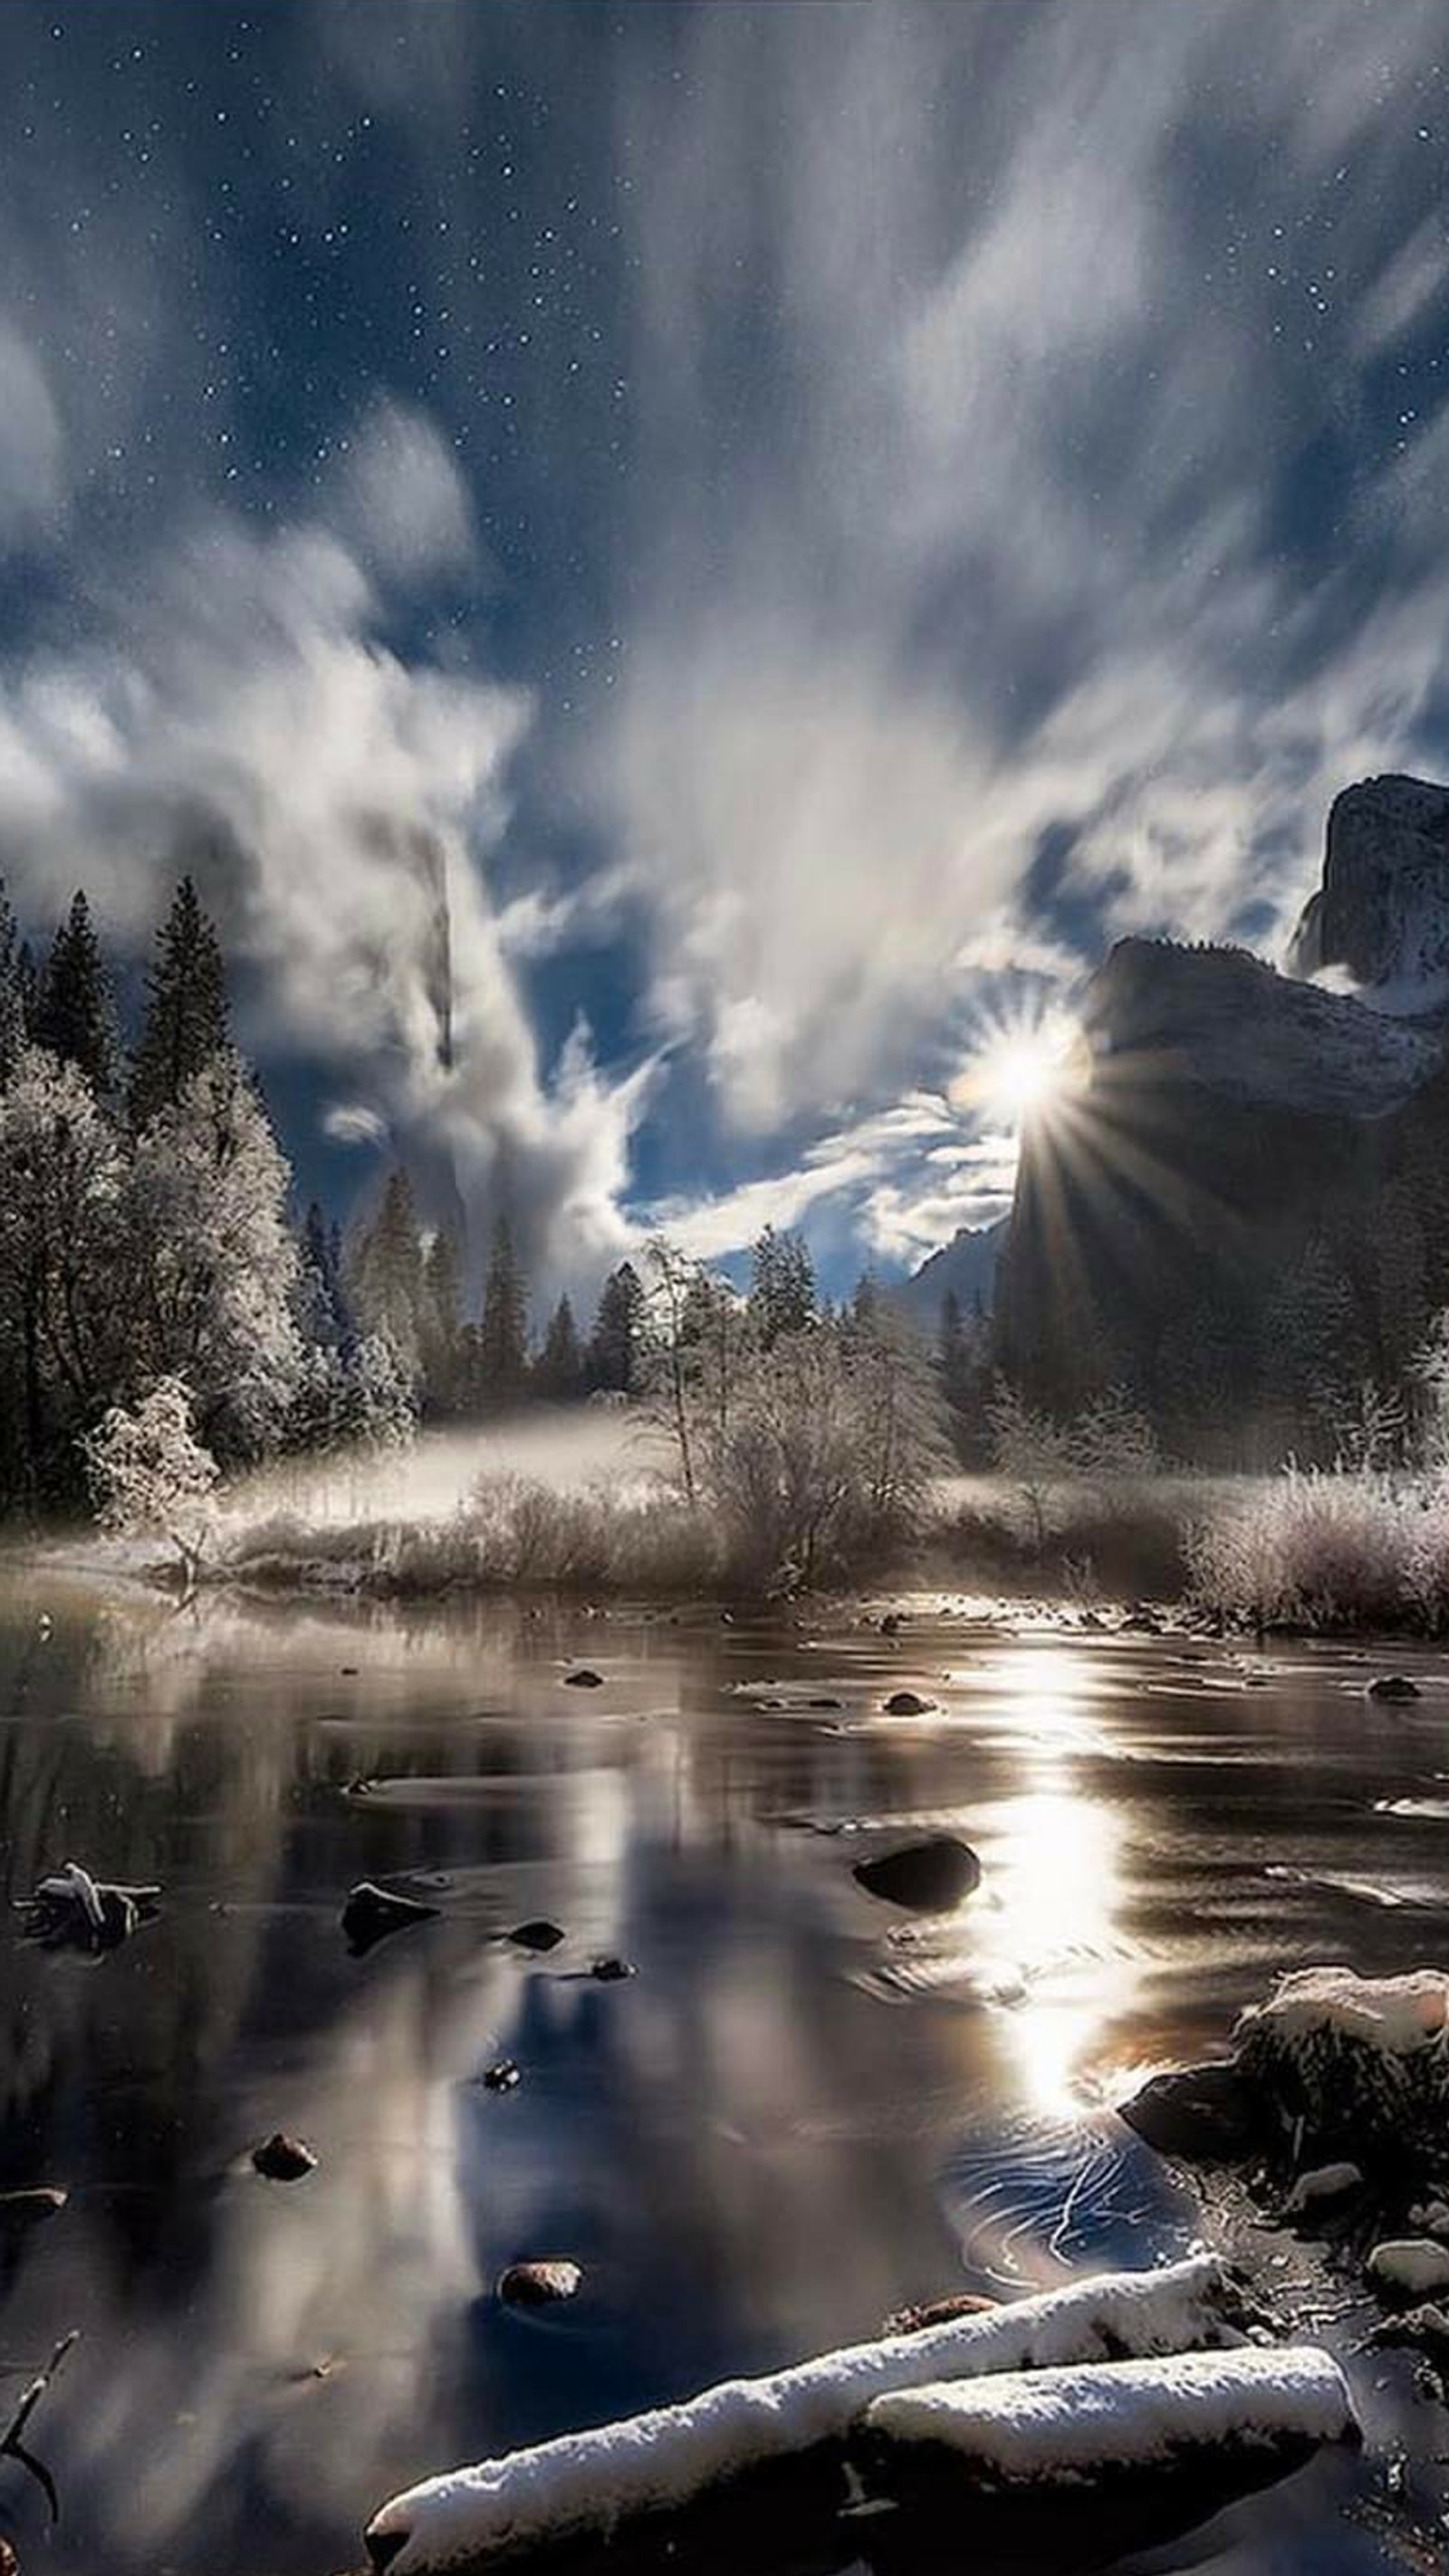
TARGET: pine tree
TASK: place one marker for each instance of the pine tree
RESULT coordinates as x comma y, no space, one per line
75,1016
559,1374
616,1344
187,1019
12,994
438,1324
502,1346
321,1304
783,1296
386,1274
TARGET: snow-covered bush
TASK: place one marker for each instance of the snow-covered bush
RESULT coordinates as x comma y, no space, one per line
148,1474
1332,1549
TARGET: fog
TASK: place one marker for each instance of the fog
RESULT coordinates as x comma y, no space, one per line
569,1446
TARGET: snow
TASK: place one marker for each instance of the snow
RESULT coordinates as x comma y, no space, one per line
1324,2183
1356,2063
1061,2426
587,2482
1411,2266
1229,1021
1395,2014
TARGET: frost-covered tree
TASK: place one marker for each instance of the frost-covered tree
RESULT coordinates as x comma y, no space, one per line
13,1029
832,1444
75,1014
148,1472
1031,1451
212,1261
501,1351
360,1396
440,1351
783,1297
186,1020
320,1302
385,1274
62,1320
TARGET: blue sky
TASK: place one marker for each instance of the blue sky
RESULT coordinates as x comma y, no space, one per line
814,517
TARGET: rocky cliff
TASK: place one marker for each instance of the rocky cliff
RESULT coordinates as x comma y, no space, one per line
1243,1211
1382,912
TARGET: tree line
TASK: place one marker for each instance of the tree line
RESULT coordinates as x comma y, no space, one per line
148,1238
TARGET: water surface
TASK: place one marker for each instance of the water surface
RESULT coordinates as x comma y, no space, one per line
802,2112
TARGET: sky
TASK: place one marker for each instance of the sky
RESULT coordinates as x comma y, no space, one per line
809,517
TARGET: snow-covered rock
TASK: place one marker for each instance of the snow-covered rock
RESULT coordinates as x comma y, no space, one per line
1382,913
1362,2060
1410,2267
1055,2427
1322,2187
662,2461
1227,1021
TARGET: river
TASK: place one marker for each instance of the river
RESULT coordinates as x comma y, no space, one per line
802,2111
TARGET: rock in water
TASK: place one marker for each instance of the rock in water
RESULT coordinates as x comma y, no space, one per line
929,1877
908,1703
70,1909
1326,2187
611,1971
283,2159
500,2078
539,2285
539,1934
1410,2268
1198,2114
22,2210
372,1912
584,1679
1393,1686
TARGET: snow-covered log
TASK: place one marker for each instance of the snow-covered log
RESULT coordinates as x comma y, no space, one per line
1357,2061
1059,2427
587,2483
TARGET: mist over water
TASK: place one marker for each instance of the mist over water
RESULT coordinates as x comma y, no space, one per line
564,1448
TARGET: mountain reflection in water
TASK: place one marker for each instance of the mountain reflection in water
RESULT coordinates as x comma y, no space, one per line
803,2112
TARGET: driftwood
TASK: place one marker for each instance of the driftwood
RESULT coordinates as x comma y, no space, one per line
11,2445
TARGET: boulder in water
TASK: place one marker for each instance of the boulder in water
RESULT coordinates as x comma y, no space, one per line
283,2159
1409,2269
372,1912
1393,1687
583,1678
539,2285
538,1934
928,1877
22,2210
1197,2114
908,1703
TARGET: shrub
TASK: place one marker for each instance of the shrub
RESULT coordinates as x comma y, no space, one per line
1320,1545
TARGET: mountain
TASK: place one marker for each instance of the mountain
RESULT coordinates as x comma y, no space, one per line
1382,912
966,1266
1242,1211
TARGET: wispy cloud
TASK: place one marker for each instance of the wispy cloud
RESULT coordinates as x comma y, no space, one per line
989,413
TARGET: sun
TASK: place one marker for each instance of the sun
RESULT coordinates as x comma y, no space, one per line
1021,1070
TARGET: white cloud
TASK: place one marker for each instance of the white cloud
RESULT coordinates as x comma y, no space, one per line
234,712
995,552
402,500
